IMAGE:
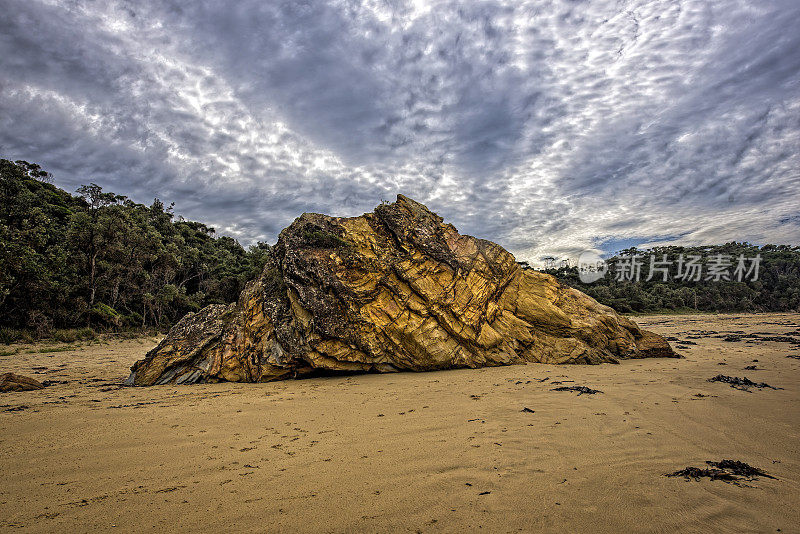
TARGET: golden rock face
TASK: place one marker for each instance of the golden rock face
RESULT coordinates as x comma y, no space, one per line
396,289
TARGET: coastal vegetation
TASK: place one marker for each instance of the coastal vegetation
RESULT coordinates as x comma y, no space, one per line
71,264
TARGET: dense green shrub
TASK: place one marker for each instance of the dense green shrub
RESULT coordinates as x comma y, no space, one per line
101,260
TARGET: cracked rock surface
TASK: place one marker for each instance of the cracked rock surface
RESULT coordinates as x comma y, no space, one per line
395,289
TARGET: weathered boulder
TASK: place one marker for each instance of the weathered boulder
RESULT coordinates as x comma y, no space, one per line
396,289
13,382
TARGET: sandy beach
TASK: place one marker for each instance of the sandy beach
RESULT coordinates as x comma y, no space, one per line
411,452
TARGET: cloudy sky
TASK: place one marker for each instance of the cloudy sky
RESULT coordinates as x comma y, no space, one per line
549,126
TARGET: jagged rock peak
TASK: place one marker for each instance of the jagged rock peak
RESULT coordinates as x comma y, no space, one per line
396,289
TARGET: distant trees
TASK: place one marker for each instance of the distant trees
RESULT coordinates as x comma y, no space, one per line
103,260
776,289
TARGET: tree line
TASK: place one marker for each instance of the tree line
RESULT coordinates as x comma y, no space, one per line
776,287
97,259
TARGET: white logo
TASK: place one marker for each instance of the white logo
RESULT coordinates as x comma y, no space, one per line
591,267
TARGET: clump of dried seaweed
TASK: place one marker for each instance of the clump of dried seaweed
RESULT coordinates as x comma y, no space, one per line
580,389
729,471
743,384
740,469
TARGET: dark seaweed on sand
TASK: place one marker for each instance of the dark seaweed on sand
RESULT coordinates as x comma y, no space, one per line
731,471
740,383
764,336
580,389
697,473
740,468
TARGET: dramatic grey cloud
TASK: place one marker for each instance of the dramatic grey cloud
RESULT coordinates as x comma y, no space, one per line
549,126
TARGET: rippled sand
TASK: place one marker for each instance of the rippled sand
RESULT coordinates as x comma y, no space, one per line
444,451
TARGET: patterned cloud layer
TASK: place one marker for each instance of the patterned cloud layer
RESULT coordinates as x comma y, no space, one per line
548,126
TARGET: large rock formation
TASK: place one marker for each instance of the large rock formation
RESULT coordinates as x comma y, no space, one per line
396,289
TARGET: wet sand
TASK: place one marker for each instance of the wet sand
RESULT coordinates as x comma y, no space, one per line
410,452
